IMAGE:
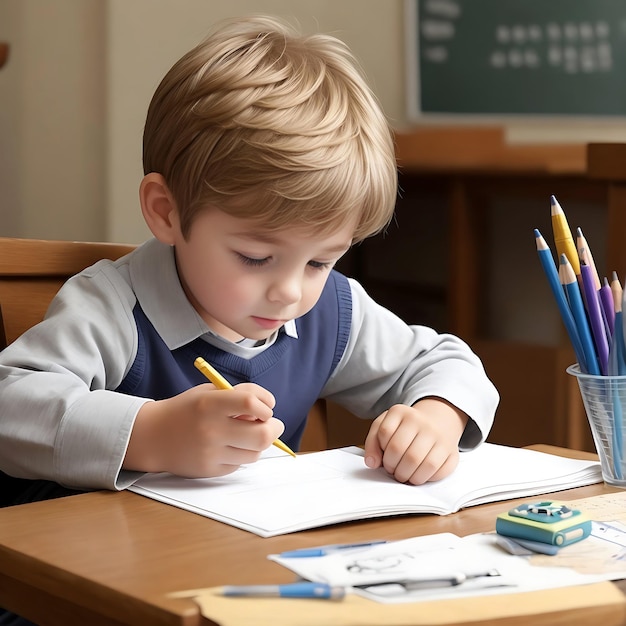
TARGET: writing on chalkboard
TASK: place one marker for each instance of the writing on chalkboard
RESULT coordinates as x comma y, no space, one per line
517,56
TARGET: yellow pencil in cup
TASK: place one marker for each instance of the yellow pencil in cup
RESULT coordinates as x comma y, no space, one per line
221,383
563,239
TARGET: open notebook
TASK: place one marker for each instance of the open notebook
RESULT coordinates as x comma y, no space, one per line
282,494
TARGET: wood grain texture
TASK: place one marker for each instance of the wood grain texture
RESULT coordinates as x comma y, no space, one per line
118,555
33,270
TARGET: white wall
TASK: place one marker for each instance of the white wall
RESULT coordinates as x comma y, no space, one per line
52,119
74,94
145,38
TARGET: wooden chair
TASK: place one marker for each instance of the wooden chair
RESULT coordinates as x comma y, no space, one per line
33,270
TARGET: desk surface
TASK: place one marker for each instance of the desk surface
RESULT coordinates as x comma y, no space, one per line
111,558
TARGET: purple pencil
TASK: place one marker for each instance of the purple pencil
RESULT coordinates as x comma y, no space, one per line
608,306
596,320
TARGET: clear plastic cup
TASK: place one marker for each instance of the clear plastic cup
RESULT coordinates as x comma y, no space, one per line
604,398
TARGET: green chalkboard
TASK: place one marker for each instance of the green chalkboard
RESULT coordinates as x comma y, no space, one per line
519,57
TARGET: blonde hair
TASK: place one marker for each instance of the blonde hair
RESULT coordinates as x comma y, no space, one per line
268,124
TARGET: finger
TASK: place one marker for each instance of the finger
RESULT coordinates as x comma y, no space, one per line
238,402
241,443
434,467
255,436
388,423
405,445
372,451
448,467
253,408
264,395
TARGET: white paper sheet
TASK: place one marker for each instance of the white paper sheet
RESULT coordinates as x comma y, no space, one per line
283,494
433,556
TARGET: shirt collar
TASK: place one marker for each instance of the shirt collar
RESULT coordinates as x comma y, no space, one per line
291,329
154,279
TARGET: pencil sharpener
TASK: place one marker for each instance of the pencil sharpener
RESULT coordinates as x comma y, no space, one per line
547,522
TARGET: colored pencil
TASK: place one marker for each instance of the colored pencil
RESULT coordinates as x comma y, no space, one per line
596,320
549,268
570,284
608,306
584,254
617,354
563,235
617,367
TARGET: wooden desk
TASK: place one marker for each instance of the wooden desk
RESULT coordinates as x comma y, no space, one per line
111,558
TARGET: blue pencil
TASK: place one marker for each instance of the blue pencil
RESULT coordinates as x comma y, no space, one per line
617,356
547,262
618,418
570,284
619,368
617,364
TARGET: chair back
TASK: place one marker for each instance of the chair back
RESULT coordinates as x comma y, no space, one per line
33,270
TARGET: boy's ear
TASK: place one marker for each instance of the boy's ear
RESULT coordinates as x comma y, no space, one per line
158,208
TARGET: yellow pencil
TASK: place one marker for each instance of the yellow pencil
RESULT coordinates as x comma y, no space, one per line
221,383
563,239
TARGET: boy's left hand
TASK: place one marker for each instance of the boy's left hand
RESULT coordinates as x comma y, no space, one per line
416,443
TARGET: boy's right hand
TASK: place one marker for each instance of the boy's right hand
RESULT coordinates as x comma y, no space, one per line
203,431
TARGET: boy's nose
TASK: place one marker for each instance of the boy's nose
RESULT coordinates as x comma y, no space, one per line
287,290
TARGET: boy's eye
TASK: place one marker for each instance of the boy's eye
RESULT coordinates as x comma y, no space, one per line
319,265
246,260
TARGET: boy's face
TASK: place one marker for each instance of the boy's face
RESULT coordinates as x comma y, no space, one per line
247,283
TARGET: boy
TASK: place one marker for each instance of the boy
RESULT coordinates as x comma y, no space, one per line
266,157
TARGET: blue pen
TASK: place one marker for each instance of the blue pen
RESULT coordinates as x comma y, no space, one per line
325,550
293,590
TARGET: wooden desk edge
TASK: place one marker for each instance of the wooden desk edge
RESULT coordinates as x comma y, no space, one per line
65,594
71,588
566,452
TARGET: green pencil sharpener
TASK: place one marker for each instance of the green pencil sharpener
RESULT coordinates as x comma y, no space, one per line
547,522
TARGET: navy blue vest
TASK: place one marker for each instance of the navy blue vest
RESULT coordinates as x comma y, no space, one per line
294,370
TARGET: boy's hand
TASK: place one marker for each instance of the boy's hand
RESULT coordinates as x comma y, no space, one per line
416,444
203,432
